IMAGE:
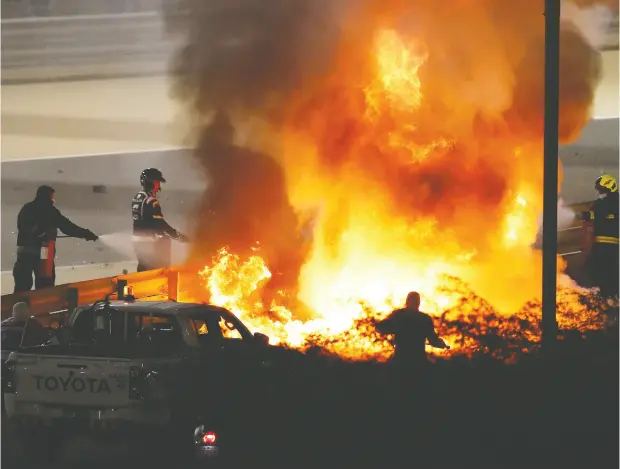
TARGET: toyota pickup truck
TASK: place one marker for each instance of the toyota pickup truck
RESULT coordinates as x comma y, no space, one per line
118,363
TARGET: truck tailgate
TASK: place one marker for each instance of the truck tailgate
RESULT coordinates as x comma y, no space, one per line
75,381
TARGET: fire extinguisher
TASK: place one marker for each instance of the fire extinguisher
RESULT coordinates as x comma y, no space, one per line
46,260
587,241
587,237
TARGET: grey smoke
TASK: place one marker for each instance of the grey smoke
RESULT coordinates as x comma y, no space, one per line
250,54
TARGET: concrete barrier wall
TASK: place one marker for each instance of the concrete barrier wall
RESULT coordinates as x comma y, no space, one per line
40,9
96,46
58,119
596,152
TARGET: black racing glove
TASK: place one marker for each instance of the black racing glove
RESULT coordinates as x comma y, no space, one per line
90,236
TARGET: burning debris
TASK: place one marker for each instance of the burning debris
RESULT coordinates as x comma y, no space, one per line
371,148
469,323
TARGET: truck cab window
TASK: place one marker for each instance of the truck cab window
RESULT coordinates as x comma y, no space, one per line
199,326
156,332
232,328
214,325
229,329
108,328
117,325
205,326
83,327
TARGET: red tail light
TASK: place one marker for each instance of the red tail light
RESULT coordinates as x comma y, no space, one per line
209,438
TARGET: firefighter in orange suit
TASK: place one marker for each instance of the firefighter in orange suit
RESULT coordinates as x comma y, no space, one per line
602,262
38,223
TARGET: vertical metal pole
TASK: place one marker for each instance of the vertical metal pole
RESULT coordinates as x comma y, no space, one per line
550,190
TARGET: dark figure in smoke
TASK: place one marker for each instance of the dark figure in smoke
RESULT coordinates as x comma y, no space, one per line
152,234
602,261
246,205
411,329
38,223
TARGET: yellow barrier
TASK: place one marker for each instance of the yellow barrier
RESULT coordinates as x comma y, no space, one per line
160,284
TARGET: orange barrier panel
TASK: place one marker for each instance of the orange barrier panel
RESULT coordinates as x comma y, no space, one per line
154,284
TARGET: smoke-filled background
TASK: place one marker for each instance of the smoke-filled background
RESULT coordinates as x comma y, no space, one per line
394,137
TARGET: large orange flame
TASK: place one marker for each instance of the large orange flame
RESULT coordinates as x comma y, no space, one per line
417,160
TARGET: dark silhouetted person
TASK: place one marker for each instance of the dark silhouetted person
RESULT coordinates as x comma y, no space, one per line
411,329
602,261
153,236
22,329
38,223
408,408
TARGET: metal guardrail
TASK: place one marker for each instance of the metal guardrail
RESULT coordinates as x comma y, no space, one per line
161,284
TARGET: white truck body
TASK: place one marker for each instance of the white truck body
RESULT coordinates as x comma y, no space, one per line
49,386
77,388
80,381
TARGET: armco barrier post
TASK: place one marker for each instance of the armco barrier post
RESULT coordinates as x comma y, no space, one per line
73,296
173,285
